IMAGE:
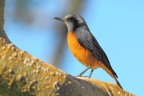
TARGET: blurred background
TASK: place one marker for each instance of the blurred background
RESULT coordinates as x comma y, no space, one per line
118,26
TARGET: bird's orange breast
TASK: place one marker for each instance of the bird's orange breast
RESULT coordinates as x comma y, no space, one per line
83,55
78,51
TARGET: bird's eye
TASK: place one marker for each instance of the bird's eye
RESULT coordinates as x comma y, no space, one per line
70,19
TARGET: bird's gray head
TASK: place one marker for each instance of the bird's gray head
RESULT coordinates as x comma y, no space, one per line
72,21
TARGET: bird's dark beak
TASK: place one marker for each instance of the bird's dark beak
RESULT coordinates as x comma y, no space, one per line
57,18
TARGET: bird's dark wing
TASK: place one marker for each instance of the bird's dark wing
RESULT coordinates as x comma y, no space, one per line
88,41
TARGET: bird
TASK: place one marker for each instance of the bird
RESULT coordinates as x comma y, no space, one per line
84,46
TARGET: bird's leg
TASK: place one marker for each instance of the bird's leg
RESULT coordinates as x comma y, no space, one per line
83,72
91,73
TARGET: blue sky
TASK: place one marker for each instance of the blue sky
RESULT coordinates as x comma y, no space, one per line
118,25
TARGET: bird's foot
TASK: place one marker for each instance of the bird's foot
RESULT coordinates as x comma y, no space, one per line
82,76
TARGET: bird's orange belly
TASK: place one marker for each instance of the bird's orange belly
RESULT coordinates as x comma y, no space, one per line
81,53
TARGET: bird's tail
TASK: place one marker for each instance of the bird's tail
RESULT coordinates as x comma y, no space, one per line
117,82
112,74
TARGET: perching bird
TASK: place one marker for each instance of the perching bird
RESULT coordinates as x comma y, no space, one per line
85,47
